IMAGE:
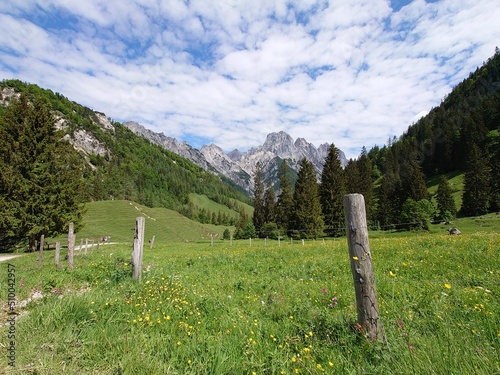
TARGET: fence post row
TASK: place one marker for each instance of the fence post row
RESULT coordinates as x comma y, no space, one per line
361,266
138,248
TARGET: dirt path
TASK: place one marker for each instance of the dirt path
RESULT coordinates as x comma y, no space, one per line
4,257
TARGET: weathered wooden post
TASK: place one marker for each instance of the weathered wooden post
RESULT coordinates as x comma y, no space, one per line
361,266
86,245
138,248
58,253
231,240
40,254
71,246
151,242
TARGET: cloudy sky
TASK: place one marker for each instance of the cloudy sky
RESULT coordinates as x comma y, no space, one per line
349,72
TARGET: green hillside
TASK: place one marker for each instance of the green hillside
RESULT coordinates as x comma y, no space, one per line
112,164
456,181
117,219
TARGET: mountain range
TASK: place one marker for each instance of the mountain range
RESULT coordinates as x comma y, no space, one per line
240,166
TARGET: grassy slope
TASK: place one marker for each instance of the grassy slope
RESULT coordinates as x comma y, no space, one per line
456,180
117,218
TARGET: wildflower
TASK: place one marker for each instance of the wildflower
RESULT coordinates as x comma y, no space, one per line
392,274
330,364
355,258
447,286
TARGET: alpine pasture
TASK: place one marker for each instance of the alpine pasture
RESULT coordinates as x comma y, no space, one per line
257,308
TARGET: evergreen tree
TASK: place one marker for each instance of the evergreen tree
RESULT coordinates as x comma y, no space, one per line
41,175
475,197
365,169
445,203
258,218
494,158
305,219
331,193
352,177
269,205
390,204
285,198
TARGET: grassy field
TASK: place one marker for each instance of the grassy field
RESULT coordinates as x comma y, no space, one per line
117,220
261,309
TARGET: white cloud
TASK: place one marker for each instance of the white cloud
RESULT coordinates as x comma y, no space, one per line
353,72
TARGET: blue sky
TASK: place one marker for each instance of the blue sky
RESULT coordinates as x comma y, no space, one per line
349,72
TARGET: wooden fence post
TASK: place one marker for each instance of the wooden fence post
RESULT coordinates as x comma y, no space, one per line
58,253
40,254
151,242
361,266
138,248
71,246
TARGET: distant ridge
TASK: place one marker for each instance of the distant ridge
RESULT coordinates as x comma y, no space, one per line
240,166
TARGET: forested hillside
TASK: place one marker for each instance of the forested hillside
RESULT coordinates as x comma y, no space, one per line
114,162
461,134
459,137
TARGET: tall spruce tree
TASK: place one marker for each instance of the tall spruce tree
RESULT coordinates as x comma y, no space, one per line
285,198
41,175
390,204
269,205
445,202
365,180
306,220
352,176
258,218
331,193
476,195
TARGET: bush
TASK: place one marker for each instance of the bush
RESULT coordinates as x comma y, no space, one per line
417,215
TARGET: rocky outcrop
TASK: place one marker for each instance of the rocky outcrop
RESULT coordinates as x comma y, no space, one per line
171,144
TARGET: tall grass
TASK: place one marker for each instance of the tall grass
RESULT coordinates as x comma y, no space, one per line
263,309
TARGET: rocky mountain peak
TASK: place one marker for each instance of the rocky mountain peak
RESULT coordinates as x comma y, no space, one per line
240,166
279,143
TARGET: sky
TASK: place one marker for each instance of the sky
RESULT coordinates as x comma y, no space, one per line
350,72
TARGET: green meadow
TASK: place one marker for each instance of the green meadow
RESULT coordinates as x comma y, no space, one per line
256,307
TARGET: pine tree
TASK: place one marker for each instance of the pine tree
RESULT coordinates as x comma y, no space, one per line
353,178
365,179
269,205
285,198
41,175
331,193
305,219
258,218
389,205
445,202
475,197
